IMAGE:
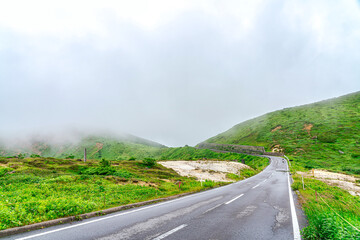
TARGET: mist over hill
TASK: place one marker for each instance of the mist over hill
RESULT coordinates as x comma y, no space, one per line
98,145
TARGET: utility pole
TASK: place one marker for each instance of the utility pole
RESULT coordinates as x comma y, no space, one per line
84,154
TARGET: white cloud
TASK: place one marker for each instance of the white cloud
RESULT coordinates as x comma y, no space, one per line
175,72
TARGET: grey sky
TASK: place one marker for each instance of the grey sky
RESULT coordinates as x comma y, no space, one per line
176,72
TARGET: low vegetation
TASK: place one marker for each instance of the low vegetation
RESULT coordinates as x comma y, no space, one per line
39,189
322,135
332,212
319,135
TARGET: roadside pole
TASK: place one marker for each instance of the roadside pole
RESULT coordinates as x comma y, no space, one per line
302,178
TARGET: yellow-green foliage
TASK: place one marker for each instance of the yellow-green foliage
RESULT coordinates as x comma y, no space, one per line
323,204
319,135
48,188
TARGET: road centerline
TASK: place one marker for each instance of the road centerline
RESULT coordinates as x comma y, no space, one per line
170,232
234,199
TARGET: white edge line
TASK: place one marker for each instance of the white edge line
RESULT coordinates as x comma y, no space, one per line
136,210
108,217
170,232
234,199
295,223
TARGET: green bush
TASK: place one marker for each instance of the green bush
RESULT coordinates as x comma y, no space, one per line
104,168
99,171
124,174
233,176
105,163
327,137
149,162
5,170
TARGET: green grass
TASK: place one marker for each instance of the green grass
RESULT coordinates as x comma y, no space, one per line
41,189
332,143
326,207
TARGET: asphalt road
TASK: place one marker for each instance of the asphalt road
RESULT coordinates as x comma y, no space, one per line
256,208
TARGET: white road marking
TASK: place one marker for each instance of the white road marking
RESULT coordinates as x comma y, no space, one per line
255,186
144,208
210,209
234,199
104,218
295,223
170,232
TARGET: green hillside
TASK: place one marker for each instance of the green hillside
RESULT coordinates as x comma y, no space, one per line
97,147
324,134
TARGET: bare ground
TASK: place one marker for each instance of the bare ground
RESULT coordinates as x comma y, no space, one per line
211,170
340,180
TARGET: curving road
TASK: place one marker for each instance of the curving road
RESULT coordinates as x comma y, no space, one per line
260,207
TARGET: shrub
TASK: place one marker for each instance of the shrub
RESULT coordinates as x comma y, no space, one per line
327,137
149,162
20,156
34,156
124,174
4,170
105,163
104,168
233,176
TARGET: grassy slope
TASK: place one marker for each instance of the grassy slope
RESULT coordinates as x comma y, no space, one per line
46,188
332,143
40,189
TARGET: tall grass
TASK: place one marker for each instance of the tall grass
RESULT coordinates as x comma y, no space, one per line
45,189
330,210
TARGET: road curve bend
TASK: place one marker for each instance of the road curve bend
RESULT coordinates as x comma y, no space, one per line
261,207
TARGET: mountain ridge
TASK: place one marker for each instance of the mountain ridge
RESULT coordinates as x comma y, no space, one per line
324,134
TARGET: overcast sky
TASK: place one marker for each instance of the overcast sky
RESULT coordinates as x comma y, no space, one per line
176,72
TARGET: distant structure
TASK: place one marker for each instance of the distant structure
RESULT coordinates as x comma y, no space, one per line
233,148
253,150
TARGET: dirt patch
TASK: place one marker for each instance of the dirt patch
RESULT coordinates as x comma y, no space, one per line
307,127
340,180
276,128
99,146
141,183
277,148
211,170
